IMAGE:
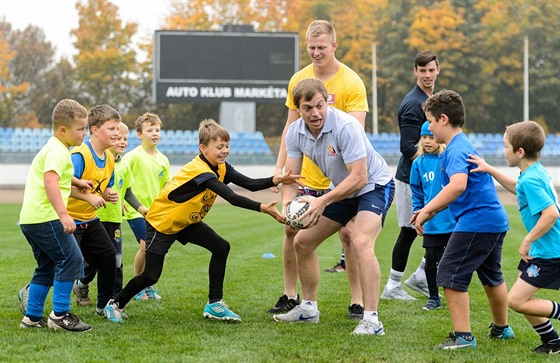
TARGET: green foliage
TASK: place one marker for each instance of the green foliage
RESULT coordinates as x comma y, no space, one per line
174,330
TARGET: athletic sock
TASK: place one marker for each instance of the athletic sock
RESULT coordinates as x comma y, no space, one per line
395,278
546,331
555,311
371,316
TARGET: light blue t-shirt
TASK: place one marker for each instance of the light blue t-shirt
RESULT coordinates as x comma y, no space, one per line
425,184
342,141
478,209
535,192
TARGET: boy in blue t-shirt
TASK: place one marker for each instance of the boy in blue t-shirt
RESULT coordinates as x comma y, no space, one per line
540,249
477,239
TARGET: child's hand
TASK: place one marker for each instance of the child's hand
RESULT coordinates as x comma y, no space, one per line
68,224
271,210
83,185
96,201
482,165
289,178
143,211
110,195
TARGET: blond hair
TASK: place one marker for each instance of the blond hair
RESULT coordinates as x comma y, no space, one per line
320,27
149,118
66,111
209,130
422,149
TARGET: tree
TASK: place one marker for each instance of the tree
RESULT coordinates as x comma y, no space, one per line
106,59
10,89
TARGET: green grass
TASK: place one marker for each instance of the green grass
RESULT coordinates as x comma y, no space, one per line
173,330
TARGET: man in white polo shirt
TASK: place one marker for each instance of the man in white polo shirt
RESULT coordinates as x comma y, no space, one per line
363,188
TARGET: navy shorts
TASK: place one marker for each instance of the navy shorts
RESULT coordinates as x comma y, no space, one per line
377,201
138,227
467,252
541,273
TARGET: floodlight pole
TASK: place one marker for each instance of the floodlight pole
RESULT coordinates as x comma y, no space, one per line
526,78
374,130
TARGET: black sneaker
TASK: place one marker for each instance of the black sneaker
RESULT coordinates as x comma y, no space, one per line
356,312
28,323
284,305
68,322
546,348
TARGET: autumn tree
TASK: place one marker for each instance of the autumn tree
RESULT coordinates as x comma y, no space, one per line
106,59
10,89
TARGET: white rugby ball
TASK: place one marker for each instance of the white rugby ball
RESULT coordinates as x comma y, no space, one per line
295,210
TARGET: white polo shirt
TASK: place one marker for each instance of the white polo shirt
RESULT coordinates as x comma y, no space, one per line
342,141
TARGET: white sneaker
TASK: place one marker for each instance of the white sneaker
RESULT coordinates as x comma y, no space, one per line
297,314
396,293
368,327
420,286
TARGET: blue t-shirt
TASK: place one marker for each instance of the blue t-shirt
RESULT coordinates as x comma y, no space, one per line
425,184
478,209
535,192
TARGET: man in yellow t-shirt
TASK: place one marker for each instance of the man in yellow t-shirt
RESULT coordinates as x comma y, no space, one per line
347,92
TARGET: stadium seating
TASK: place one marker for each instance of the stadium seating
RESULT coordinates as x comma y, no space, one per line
19,145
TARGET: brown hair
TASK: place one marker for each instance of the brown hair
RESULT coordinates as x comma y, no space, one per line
424,58
100,114
66,111
149,118
449,103
526,135
308,88
209,130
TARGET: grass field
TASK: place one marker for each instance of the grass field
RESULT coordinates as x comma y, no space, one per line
173,330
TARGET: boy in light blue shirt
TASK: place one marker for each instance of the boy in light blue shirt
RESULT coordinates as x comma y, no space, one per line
540,249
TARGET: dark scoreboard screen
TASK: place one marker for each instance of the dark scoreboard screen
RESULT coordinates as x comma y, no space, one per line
223,66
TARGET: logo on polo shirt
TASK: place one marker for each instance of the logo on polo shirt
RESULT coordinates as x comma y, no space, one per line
331,151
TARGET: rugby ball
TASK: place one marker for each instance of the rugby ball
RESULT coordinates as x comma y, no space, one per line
295,210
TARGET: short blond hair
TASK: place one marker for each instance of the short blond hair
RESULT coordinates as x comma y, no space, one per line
320,27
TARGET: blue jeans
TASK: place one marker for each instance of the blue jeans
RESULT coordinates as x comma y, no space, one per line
57,254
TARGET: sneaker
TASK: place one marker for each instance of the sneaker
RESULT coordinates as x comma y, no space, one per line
151,293
336,268
68,322
420,286
28,323
284,305
368,327
23,295
546,348
506,334
432,304
396,293
141,296
356,312
455,342
112,312
297,314
220,311
81,293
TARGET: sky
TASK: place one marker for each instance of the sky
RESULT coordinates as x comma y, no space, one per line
58,17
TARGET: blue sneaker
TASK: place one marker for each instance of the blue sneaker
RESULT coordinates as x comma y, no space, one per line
220,311
505,334
151,293
456,342
112,312
432,304
141,296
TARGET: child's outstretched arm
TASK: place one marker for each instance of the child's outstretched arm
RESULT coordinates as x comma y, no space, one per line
272,211
483,167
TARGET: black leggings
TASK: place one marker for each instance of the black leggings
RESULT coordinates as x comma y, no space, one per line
401,249
199,234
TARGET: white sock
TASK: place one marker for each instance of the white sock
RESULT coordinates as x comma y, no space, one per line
371,316
310,307
394,279
292,297
420,272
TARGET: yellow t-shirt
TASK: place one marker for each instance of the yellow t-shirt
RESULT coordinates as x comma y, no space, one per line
122,180
347,92
81,210
168,216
